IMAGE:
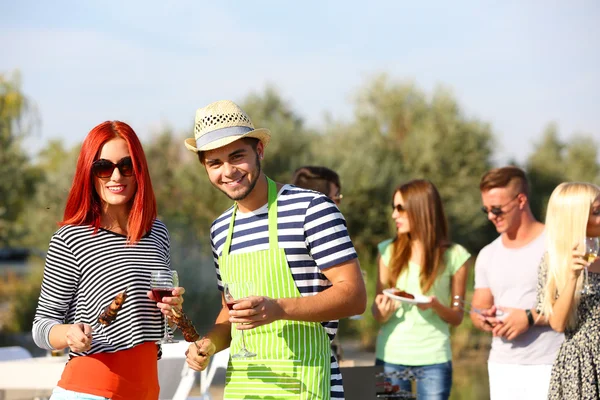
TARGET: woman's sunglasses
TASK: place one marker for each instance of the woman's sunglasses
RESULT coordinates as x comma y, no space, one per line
398,207
104,168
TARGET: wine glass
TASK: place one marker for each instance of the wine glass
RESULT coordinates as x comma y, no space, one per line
232,292
162,284
592,247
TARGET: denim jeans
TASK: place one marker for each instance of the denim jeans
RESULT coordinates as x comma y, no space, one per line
61,394
433,381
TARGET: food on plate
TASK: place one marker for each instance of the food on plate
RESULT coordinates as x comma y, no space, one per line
185,325
402,293
110,311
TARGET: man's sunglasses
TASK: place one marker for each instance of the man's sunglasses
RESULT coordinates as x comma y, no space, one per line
398,207
497,210
104,168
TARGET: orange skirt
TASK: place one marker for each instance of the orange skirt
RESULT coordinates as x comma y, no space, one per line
124,375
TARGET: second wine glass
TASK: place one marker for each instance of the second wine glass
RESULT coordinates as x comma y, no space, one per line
233,292
162,284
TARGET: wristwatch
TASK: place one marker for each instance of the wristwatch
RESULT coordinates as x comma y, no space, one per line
529,317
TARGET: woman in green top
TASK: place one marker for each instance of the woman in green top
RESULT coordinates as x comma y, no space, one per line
414,339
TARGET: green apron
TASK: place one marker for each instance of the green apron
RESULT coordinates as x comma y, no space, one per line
293,358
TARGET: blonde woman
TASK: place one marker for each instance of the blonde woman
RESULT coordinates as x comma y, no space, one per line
573,213
414,340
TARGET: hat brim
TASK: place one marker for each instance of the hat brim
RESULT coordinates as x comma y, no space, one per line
262,134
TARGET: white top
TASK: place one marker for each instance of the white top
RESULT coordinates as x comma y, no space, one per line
511,274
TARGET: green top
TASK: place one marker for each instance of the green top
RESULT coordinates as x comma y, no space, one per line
412,336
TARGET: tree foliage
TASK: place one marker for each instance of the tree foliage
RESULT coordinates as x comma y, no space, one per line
19,177
397,132
554,161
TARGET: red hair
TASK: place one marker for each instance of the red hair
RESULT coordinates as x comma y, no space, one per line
84,206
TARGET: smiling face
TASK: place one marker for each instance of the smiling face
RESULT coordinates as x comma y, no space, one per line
508,202
593,225
234,169
117,190
399,214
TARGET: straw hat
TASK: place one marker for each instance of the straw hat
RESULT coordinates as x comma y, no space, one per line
221,123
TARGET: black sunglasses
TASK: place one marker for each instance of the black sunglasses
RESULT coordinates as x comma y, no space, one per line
104,169
398,207
497,210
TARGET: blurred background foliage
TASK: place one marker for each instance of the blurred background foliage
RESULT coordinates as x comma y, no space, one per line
397,132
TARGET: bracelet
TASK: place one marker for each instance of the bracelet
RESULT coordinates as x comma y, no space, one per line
529,317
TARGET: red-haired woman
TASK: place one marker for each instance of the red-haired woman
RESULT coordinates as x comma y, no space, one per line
424,270
109,241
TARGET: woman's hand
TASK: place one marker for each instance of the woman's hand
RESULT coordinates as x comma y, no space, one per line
166,304
384,307
578,262
79,337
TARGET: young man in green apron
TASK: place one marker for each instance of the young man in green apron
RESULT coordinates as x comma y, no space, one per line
293,246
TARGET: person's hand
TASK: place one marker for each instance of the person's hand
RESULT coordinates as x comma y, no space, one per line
166,304
426,306
578,263
488,319
199,353
79,337
386,306
513,323
253,311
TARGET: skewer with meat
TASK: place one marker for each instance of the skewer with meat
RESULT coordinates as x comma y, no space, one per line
185,325
110,311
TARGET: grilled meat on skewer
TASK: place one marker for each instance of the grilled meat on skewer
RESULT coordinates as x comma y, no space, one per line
185,325
110,311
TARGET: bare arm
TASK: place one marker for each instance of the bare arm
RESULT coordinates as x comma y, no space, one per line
452,315
220,334
483,300
346,297
219,338
560,310
383,307
78,337
562,307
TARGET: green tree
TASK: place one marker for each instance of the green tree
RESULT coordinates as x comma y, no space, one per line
399,133
18,176
45,208
554,161
581,159
290,146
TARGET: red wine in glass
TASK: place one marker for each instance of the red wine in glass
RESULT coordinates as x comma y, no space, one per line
231,292
162,284
159,293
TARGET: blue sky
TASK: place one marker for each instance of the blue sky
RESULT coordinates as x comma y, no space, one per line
516,64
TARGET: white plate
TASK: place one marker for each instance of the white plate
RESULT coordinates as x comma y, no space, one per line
419,299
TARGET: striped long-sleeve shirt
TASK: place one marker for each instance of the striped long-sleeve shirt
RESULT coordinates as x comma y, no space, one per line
85,271
313,234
